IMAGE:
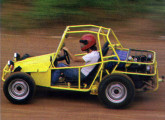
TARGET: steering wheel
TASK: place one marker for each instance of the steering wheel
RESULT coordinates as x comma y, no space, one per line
67,59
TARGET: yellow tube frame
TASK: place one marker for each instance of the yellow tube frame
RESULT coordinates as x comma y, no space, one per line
101,31
106,38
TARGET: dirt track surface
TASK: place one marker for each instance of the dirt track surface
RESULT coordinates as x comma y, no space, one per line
56,105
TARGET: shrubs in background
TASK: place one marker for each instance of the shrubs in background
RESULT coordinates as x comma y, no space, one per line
42,13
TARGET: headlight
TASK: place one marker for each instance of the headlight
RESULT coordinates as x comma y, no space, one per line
11,65
16,56
10,62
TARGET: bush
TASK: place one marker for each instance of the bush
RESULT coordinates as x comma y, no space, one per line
46,12
43,13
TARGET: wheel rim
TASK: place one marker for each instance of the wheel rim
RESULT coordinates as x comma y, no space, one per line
18,89
116,92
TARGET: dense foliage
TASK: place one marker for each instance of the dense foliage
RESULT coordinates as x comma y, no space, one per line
41,13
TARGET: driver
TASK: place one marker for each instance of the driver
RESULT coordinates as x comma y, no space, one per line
88,44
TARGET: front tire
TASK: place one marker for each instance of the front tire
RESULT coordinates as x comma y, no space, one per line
116,91
19,88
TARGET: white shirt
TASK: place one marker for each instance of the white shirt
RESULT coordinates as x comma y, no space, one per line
90,58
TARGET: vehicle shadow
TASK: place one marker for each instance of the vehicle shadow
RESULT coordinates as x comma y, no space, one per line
140,100
42,93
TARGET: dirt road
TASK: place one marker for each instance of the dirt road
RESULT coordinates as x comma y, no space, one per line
54,105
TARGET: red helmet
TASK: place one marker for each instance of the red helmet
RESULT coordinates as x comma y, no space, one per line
89,40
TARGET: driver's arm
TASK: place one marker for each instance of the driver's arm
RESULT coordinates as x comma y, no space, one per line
74,58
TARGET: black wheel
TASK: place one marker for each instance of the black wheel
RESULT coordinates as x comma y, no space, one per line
116,91
19,88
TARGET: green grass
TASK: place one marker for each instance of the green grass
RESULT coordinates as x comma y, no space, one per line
45,13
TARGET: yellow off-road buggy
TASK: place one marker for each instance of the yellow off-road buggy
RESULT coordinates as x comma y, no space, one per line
117,75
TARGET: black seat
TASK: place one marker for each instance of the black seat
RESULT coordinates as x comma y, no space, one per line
88,80
105,49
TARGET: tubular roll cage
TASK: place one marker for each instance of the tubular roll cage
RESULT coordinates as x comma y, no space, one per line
105,32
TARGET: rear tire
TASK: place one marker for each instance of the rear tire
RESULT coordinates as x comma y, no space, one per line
116,91
19,88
